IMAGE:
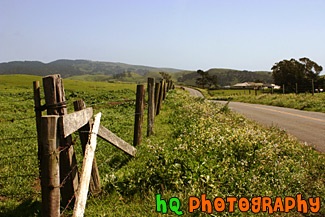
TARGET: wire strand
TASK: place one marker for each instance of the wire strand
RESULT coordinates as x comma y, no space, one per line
15,119
18,138
17,156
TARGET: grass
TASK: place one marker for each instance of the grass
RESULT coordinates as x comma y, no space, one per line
301,101
90,77
25,82
228,92
19,183
230,156
198,147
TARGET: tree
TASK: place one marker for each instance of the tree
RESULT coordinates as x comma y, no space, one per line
311,69
206,79
290,72
213,80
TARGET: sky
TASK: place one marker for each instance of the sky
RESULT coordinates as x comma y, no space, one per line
182,34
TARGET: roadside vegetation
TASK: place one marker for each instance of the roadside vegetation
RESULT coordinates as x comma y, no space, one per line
199,147
295,76
300,101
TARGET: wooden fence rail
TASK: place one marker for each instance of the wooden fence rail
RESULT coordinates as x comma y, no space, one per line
81,199
95,187
58,164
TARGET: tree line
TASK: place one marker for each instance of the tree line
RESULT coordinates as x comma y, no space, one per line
301,74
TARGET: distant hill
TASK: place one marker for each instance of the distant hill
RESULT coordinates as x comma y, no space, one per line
226,76
124,77
108,71
68,68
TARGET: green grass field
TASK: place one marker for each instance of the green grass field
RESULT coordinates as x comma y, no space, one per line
300,101
90,77
19,184
199,147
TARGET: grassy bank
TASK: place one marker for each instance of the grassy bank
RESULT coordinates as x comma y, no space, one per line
301,101
194,154
199,147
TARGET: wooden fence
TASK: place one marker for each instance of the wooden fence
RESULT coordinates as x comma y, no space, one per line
57,162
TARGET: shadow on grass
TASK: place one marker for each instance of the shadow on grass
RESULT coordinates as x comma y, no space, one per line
29,207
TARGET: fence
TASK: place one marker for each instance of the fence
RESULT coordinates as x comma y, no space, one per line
18,162
56,154
311,87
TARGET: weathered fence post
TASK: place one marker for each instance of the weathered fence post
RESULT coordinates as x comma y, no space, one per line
94,185
50,179
164,89
56,105
272,90
169,85
255,91
151,105
160,98
157,89
249,90
139,108
312,86
38,114
81,199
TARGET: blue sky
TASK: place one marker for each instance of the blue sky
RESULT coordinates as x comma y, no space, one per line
185,34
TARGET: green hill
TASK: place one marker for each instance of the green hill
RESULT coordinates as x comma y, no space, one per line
90,77
69,68
107,71
124,77
225,76
127,77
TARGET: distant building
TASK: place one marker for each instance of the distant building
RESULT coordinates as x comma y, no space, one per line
249,85
253,85
276,87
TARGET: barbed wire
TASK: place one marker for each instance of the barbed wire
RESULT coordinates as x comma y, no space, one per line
22,175
104,162
121,119
16,119
107,102
17,156
23,100
19,138
67,176
15,195
117,121
61,149
67,206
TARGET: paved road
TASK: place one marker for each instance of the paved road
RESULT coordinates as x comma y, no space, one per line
307,126
194,92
